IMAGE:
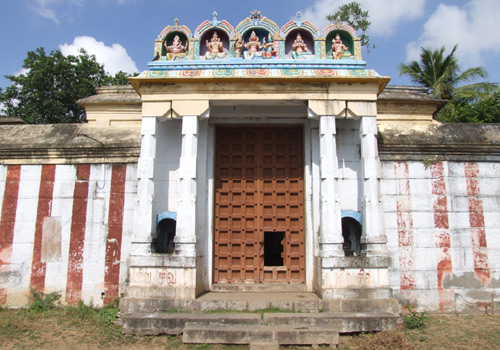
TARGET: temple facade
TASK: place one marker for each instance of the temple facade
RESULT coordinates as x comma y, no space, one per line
247,159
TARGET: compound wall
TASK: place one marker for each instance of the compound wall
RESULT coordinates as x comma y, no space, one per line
65,228
443,227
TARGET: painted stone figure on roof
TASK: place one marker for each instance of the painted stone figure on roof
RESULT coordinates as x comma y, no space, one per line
177,49
215,48
269,50
238,46
339,50
253,46
299,47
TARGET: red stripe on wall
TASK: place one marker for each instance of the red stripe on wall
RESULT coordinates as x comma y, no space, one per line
78,225
405,227
8,219
115,229
38,268
443,243
476,220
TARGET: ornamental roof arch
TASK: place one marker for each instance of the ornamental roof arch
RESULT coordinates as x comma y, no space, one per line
175,28
299,24
223,25
339,26
256,20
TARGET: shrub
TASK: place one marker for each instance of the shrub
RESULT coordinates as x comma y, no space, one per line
40,302
414,319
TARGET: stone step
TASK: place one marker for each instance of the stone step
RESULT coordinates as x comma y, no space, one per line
239,334
244,301
258,288
247,301
264,345
174,323
341,322
390,305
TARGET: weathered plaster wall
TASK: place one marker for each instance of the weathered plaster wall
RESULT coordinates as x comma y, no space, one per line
65,228
443,231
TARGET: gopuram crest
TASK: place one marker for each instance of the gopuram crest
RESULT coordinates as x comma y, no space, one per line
258,43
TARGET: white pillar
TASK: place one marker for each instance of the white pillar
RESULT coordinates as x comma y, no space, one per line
185,237
331,239
143,224
373,223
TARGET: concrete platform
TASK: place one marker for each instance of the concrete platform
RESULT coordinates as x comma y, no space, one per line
246,301
238,334
264,318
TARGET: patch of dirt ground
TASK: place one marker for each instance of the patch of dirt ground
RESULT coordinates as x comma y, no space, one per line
60,329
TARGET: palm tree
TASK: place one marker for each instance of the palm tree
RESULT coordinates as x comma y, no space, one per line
442,76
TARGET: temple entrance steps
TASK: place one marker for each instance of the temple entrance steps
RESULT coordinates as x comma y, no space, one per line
265,318
354,301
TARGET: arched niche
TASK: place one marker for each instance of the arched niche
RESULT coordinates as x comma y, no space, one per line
306,36
351,232
169,38
347,40
163,239
207,36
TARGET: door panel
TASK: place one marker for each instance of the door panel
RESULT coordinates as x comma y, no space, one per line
259,213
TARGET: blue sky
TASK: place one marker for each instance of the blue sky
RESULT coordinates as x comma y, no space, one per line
121,33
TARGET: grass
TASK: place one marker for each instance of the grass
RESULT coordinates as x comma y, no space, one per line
443,332
79,327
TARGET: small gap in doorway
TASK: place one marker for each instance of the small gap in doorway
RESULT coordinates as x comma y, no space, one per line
273,248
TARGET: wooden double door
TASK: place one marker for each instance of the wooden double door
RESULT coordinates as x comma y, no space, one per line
259,205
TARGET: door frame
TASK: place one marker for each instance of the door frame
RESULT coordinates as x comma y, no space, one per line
311,190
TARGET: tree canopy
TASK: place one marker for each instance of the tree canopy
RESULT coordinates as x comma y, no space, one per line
443,76
46,93
353,14
477,102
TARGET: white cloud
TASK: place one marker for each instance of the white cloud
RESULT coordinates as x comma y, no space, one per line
385,15
114,57
473,27
44,9
52,9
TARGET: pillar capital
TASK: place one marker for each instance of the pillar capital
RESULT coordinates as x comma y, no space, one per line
182,108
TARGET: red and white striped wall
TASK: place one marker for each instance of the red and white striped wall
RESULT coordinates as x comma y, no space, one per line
65,228
442,220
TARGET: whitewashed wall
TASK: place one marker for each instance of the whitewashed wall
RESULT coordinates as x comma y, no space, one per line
65,228
169,140
349,164
443,226
68,228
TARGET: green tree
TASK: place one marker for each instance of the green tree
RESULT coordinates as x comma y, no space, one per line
47,92
353,14
486,110
442,75
469,103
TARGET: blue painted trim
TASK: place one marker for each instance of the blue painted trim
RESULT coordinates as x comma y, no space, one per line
257,63
166,215
356,215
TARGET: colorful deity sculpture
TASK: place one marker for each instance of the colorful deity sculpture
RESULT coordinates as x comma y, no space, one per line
269,50
339,50
238,46
299,47
176,50
253,46
215,48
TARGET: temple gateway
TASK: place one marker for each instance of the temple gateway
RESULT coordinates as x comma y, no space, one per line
254,167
